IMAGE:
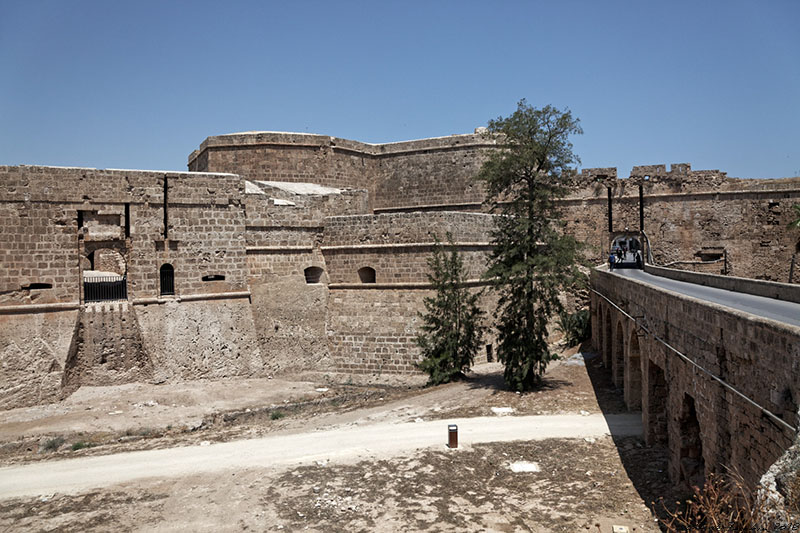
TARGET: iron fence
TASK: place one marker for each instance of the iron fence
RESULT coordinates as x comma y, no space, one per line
105,289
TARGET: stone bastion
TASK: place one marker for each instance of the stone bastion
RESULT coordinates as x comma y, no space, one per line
285,252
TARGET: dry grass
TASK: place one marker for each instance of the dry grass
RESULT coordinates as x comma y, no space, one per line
724,504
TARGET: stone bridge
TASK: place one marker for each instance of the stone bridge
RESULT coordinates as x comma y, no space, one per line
718,386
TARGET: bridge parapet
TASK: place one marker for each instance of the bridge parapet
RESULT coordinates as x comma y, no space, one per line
769,289
712,407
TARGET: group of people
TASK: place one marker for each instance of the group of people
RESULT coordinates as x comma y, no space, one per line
619,254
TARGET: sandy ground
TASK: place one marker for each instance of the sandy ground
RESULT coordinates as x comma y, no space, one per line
585,480
374,441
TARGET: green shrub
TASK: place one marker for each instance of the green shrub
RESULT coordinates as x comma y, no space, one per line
53,444
276,415
576,326
81,445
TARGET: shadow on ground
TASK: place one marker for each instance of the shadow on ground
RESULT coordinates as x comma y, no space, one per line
645,466
494,381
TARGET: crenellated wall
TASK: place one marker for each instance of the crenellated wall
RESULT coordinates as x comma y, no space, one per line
690,214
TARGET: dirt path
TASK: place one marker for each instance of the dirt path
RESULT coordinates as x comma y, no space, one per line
325,455
374,441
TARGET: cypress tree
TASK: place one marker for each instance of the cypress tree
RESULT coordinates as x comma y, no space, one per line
451,330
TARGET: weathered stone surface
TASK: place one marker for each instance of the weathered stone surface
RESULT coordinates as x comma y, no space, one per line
240,241
757,357
201,340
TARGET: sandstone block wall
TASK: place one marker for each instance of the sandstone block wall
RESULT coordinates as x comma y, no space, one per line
397,175
398,245
284,235
415,175
758,357
372,331
292,157
62,221
209,339
33,355
687,212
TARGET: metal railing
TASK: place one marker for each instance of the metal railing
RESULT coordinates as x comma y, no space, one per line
105,288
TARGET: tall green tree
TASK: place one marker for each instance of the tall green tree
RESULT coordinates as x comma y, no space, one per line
533,259
451,330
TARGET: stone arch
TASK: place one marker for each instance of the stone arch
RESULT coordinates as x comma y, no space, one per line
618,355
691,468
654,405
633,374
366,274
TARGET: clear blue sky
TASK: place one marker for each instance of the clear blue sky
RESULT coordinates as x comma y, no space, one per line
141,84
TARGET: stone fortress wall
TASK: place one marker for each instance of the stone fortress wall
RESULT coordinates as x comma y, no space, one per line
59,221
269,235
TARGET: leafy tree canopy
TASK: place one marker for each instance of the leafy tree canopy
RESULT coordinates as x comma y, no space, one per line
532,259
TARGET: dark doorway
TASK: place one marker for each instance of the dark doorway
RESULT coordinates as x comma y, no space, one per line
167,275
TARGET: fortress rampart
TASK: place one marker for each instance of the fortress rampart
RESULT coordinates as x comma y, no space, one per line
390,172
283,252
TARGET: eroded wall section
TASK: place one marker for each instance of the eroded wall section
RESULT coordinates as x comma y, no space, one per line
69,227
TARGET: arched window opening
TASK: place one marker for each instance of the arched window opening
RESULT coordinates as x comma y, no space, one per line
657,398
607,343
366,274
313,274
167,275
214,277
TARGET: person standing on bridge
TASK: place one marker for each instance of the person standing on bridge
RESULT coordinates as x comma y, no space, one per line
611,260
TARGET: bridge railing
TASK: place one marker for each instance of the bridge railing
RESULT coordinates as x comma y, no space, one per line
757,287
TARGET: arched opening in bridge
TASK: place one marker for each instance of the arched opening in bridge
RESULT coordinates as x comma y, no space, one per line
692,465
633,374
618,357
313,274
656,406
366,274
607,339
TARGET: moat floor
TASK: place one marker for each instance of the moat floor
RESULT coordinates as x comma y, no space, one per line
585,483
